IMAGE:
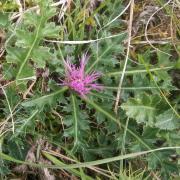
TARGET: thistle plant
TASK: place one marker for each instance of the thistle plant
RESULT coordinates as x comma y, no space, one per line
78,80
77,133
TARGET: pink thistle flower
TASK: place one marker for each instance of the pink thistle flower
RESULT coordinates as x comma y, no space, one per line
77,80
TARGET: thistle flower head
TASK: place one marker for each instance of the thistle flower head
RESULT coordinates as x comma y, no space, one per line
79,81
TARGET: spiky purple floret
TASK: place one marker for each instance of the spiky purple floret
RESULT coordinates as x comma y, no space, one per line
77,80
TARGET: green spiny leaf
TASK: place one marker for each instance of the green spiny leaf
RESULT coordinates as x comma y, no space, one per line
15,54
24,38
27,73
51,30
40,55
43,100
167,120
25,123
31,18
142,109
29,35
77,124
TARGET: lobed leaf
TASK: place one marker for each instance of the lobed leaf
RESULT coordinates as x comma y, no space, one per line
44,100
143,109
167,120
